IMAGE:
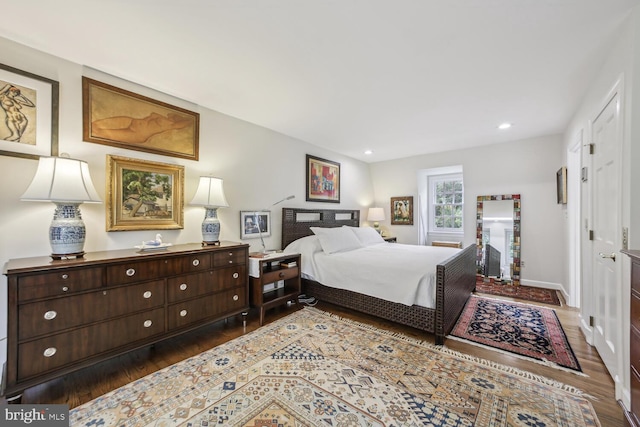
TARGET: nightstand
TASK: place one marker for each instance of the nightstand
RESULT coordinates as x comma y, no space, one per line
273,282
391,239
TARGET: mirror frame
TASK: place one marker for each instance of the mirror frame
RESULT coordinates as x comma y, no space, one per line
517,206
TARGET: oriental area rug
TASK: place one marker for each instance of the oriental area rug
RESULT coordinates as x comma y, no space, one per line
526,330
313,369
528,293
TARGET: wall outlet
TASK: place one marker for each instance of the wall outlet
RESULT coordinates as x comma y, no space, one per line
521,264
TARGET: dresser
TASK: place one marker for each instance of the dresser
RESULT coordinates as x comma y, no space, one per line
64,315
632,415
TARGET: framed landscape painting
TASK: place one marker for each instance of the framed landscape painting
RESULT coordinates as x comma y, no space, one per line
323,180
143,195
120,118
29,114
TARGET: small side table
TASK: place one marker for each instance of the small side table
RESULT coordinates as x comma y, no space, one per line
271,270
390,239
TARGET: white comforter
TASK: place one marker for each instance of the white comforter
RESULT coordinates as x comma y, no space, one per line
395,272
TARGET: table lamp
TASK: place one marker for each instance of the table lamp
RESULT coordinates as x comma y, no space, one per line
67,183
375,215
210,194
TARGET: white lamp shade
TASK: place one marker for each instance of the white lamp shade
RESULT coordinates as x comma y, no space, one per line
60,179
375,214
210,193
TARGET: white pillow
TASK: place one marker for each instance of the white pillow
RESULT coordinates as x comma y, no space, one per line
305,246
337,239
367,235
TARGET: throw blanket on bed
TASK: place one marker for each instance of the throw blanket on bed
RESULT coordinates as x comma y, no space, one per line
395,272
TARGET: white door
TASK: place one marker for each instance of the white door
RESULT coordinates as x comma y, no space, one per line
606,225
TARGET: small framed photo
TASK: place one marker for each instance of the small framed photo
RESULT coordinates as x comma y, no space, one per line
561,185
323,180
29,125
255,223
144,195
402,210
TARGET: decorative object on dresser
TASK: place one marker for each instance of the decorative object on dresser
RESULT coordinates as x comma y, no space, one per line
275,280
144,195
67,183
323,180
632,412
402,210
120,118
30,128
210,194
65,315
375,215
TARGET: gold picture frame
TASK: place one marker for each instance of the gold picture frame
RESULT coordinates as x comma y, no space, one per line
402,210
144,195
120,118
29,123
323,180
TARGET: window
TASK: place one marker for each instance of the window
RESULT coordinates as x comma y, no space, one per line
446,196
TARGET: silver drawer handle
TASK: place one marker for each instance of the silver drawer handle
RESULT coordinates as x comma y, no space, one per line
65,288
612,256
65,276
236,297
230,253
50,352
183,313
147,294
147,323
50,315
130,272
230,261
183,287
195,262
236,275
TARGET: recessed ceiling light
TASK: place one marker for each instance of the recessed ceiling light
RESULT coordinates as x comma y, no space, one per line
504,126
368,152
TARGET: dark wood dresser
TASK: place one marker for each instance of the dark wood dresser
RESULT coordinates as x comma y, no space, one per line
632,415
64,315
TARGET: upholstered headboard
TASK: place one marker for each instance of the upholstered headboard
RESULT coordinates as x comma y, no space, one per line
296,223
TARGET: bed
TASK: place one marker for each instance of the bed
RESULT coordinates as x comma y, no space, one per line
454,277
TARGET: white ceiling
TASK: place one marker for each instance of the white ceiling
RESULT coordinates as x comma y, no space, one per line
400,77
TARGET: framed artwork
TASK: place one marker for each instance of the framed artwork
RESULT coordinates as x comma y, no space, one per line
561,185
323,180
29,114
117,117
143,195
252,223
402,210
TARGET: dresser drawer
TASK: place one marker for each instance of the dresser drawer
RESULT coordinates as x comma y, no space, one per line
188,312
231,277
228,257
189,286
58,283
39,318
189,264
635,310
635,276
131,272
55,351
281,274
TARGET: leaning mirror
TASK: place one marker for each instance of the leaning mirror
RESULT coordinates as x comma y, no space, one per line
498,236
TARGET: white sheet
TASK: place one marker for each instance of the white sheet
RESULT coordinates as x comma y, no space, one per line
395,272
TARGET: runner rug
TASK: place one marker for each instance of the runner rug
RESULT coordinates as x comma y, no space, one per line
528,293
313,369
527,330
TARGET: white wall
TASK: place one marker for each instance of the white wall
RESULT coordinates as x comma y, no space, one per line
526,167
259,167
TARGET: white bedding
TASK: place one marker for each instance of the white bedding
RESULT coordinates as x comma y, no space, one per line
395,272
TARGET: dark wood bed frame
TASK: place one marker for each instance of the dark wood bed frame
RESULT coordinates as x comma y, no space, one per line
456,278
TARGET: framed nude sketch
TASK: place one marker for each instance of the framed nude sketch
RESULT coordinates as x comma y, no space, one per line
120,118
28,114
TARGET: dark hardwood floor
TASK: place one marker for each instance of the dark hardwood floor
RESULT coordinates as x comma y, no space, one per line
87,384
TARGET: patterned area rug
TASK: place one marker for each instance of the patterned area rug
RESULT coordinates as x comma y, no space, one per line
523,329
313,369
528,293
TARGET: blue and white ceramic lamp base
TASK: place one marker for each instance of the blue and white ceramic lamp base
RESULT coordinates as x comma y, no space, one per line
211,227
67,231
